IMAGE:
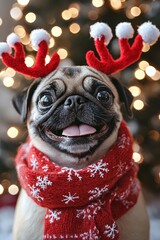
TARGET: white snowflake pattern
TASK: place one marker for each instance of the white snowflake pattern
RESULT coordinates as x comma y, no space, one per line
69,198
120,168
43,182
123,197
127,203
111,231
90,211
97,192
35,192
123,141
45,168
53,215
45,158
135,187
34,163
91,234
98,168
70,172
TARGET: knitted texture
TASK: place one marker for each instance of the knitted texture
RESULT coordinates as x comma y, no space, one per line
82,204
40,41
129,53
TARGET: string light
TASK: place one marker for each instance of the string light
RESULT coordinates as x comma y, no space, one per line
16,13
47,59
20,31
1,189
10,72
2,74
97,3
135,11
13,189
153,134
23,2
12,132
116,4
143,64
66,15
128,14
56,31
136,147
136,91
29,61
146,47
74,12
30,17
139,74
150,71
74,28
93,15
138,104
62,53
1,21
25,40
8,82
52,42
137,157
156,76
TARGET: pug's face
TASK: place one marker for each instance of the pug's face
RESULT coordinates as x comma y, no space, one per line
73,114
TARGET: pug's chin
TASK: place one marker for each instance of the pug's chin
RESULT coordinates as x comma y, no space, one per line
78,146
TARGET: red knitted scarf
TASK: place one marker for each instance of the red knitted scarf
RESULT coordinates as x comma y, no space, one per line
81,204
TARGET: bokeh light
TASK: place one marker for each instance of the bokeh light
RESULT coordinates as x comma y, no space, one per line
30,17
74,28
139,74
16,13
136,91
13,189
97,3
56,31
138,104
12,132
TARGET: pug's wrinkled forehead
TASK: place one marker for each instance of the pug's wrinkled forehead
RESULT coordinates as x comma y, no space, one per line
75,79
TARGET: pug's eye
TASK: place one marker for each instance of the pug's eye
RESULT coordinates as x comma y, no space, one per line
45,101
103,96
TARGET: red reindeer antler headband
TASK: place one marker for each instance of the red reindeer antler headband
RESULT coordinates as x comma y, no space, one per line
102,35
40,41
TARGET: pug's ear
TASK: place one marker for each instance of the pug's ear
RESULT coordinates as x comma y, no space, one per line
124,95
22,100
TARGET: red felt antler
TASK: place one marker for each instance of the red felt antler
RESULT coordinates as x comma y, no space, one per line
128,54
40,40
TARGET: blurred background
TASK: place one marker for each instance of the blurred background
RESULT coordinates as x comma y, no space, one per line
68,23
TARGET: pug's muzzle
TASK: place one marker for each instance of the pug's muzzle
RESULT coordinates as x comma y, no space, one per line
73,110
77,125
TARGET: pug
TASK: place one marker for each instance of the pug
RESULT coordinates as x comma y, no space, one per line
73,116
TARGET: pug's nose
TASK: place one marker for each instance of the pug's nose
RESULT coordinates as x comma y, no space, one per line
74,102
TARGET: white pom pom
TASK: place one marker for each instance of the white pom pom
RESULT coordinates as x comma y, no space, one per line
37,36
4,48
149,32
124,30
100,29
12,39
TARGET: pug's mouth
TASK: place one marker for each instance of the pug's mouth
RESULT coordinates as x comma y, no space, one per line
77,138
78,131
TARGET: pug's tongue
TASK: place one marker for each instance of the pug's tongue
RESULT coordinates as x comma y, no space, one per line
81,130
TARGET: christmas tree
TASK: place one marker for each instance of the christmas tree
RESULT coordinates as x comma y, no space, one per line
68,23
